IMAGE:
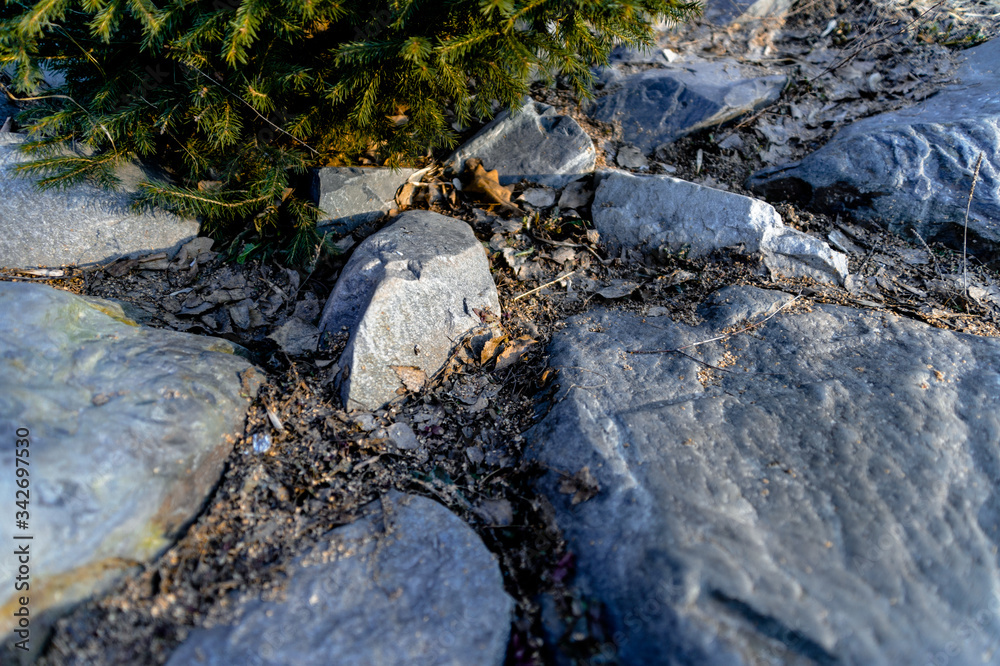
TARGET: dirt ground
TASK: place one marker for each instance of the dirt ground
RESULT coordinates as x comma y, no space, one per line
323,463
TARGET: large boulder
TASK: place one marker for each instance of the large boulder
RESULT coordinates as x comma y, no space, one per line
406,297
829,496
80,225
913,168
659,106
535,144
349,197
653,212
407,584
128,429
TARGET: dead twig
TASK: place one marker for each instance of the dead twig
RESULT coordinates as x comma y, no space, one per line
856,51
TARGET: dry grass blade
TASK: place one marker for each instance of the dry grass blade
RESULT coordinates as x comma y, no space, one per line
965,238
547,284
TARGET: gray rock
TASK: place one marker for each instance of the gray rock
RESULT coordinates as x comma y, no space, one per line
129,431
913,168
630,157
351,196
402,437
538,197
535,144
831,499
407,296
296,337
650,212
408,584
365,421
659,106
80,225
577,194
796,254
647,212
240,314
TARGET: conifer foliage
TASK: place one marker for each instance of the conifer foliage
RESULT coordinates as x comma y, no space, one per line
236,99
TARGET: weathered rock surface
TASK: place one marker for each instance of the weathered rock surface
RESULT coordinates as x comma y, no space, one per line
409,584
351,196
729,11
535,144
129,430
80,225
793,253
829,499
650,212
913,168
407,296
659,106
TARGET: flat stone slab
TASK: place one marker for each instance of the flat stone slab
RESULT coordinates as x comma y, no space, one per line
830,498
659,106
349,197
408,584
407,296
913,168
535,144
129,429
652,212
80,225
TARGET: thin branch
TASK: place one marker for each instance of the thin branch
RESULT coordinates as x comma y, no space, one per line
33,99
862,47
250,106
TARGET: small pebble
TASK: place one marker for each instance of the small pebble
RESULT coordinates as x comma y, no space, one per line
261,443
401,435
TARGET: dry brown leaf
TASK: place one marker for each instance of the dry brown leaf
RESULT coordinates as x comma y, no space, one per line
488,184
413,378
485,315
407,195
582,486
513,352
491,349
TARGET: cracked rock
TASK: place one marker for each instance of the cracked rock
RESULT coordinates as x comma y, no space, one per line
130,428
912,168
416,284
535,144
650,212
661,105
831,499
351,196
